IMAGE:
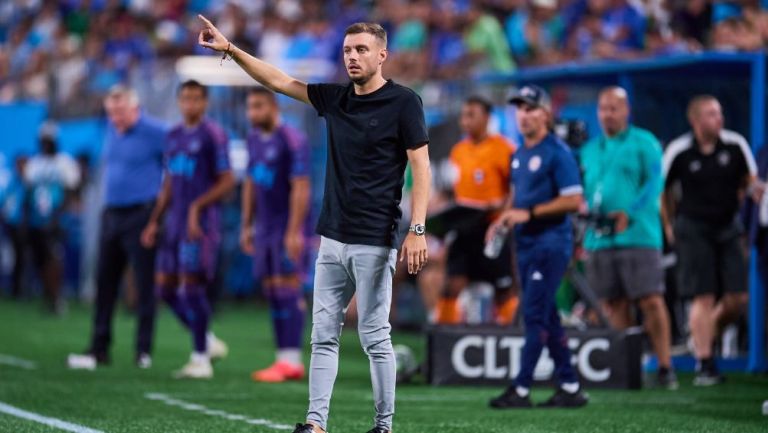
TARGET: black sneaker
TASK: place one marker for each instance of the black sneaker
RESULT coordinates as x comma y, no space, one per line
708,377
667,379
304,428
561,398
510,399
378,430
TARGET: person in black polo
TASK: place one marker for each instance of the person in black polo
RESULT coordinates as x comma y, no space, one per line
132,171
707,173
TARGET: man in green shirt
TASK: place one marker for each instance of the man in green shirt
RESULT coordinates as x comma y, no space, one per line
622,185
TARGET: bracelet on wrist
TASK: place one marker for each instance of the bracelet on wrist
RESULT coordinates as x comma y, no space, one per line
226,53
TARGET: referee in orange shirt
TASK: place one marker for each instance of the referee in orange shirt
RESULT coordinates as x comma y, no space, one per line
481,161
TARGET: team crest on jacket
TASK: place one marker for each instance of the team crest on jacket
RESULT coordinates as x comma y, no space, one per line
535,163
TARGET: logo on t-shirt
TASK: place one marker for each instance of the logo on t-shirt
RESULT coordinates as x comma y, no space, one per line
515,163
723,158
535,163
695,166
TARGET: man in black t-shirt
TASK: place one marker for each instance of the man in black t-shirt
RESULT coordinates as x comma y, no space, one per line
375,127
707,172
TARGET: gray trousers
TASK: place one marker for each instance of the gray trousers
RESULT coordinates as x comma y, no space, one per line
341,270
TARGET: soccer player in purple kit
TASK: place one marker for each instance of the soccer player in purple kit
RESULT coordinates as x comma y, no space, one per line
276,190
197,176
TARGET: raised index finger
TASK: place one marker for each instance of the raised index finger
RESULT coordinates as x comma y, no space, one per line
206,21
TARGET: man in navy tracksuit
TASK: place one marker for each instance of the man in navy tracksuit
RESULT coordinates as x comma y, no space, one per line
546,187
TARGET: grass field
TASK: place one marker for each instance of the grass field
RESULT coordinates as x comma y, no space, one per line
121,398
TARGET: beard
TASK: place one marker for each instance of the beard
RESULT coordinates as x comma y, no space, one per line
361,79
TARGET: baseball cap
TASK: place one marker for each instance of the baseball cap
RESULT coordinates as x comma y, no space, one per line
532,95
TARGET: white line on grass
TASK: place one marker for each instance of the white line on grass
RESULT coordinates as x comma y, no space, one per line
17,362
52,422
193,407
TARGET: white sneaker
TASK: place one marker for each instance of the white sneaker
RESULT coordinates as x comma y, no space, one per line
195,369
217,349
144,361
77,361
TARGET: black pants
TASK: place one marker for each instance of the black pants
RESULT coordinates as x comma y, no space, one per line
119,245
41,245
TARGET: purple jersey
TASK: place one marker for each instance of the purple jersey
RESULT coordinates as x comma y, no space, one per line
273,161
195,157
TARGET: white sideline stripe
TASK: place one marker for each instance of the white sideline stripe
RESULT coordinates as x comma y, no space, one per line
194,407
17,362
51,422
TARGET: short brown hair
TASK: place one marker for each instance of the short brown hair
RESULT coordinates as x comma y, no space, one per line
371,28
697,102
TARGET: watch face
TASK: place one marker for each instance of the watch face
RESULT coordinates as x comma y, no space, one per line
419,229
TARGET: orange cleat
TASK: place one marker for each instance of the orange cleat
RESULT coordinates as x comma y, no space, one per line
280,371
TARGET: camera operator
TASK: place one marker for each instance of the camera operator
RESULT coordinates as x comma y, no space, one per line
622,184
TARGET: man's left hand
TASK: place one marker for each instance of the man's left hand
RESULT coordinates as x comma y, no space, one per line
415,249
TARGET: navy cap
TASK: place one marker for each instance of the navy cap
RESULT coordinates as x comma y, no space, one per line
532,95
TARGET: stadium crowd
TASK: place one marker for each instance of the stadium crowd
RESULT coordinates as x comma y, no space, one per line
71,51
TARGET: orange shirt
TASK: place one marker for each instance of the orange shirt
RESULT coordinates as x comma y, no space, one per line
482,171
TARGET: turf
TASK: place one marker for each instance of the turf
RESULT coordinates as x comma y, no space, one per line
114,399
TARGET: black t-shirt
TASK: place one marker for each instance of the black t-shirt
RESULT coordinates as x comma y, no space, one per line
710,184
368,136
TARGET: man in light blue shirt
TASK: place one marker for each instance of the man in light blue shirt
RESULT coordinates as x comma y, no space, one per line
133,164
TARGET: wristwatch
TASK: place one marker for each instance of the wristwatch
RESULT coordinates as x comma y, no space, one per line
417,229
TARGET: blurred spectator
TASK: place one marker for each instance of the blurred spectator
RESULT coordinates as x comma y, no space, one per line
622,183
608,29
735,34
407,45
535,33
449,58
126,46
50,177
756,17
486,42
708,171
694,22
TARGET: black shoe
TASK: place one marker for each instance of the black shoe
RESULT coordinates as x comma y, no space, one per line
666,378
708,378
561,398
304,428
378,430
510,399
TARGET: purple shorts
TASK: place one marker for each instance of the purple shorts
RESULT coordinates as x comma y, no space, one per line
270,259
185,256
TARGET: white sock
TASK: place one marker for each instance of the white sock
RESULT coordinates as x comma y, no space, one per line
570,388
291,356
198,357
522,391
